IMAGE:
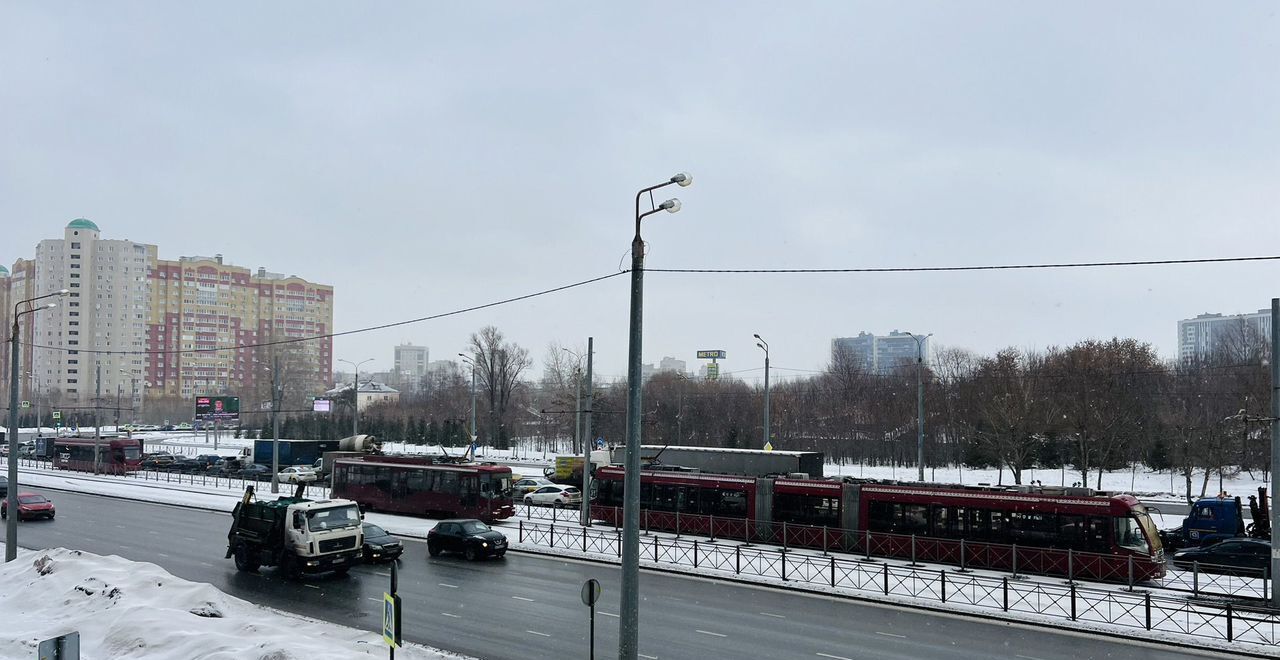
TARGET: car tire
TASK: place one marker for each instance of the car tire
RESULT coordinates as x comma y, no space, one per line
433,550
289,566
244,561
502,554
4,514
558,504
471,554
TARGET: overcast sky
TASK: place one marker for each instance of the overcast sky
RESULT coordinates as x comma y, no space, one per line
427,157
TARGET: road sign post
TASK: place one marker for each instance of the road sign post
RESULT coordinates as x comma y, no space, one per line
391,617
590,596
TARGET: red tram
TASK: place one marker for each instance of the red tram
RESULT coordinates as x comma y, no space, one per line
425,487
110,456
1041,530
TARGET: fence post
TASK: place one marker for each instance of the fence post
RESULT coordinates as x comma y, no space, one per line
1130,562
713,528
1015,560
943,576
645,512
1147,601
1195,578
962,548
1230,632
1071,565
1266,577
737,559
784,565
695,553
886,579
521,536
784,536
824,540
584,539
833,571
677,523
655,549
553,534
617,542
913,549
1073,601
868,545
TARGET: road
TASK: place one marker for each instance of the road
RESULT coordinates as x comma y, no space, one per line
527,606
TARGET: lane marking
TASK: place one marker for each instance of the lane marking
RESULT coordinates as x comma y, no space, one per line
205,563
528,600
1027,657
376,600
608,614
833,657
119,526
534,632
163,555
449,586
708,632
311,585
891,635
382,574
648,657
776,616
187,538
454,616
152,531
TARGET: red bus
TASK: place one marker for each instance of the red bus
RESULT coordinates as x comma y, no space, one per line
1040,530
425,487
115,455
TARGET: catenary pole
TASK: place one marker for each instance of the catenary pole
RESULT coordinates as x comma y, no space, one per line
1275,447
586,449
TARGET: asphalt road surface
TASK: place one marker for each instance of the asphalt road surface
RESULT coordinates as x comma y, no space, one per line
526,606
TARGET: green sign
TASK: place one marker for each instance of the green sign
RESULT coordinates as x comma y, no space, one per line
713,371
712,355
391,619
57,414
25,404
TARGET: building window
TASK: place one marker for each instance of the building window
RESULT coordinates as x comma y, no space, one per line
75,246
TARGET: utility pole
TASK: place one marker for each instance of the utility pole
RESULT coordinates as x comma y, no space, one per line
97,427
764,346
920,403
275,423
1275,445
586,438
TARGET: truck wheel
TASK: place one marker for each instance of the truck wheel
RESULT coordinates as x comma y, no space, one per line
289,566
471,553
433,550
244,559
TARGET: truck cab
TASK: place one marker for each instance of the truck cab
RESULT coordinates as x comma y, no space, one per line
1212,519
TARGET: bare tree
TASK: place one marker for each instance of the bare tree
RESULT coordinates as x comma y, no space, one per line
499,364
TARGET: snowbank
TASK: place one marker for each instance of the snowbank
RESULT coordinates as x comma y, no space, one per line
126,609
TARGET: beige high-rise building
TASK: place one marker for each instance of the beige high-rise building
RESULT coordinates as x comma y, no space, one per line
138,330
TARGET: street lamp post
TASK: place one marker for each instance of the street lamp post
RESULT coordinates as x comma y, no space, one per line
629,614
919,404
764,346
474,435
11,526
355,396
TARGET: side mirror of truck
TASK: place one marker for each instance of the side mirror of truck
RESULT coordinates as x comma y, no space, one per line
297,520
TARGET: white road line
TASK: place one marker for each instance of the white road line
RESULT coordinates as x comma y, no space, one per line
376,600
527,600
449,586
205,563
534,632
891,635
833,657
187,538
311,585
382,574
163,555
708,632
119,526
648,657
612,615
1027,657
451,616
776,616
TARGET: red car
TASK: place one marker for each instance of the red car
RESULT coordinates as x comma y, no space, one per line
30,507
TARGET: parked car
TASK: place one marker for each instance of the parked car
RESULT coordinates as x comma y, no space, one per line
379,545
226,467
474,539
296,474
256,472
156,460
554,495
27,450
30,507
530,484
209,460
1239,556
4,486
185,426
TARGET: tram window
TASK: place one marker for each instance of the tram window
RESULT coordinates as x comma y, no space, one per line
664,498
884,517
946,520
987,525
416,482
1097,540
447,482
1032,528
383,480
1071,532
915,519
610,493
729,503
807,510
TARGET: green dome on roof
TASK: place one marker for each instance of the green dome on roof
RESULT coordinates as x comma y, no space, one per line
4,271
81,223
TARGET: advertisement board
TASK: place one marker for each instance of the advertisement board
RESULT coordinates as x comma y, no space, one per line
322,405
217,408
712,355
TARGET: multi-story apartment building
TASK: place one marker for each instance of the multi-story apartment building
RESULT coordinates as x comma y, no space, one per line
410,366
879,353
144,329
1233,337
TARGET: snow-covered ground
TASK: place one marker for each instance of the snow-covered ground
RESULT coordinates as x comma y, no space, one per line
125,609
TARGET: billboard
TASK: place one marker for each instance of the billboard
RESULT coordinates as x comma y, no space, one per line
321,405
217,408
711,355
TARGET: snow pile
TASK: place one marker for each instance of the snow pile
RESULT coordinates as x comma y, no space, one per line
125,609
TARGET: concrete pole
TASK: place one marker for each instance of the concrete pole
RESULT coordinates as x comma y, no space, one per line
355,404
275,424
97,425
475,434
629,614
577,410
11,525
919,413
766,398
586,448
1275,447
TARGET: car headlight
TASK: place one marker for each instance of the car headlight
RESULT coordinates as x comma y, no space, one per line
484,544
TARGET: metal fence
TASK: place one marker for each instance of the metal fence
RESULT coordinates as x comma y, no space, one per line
1068,601
963,554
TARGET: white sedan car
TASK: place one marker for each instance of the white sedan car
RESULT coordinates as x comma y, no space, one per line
554,495
297,474
530,484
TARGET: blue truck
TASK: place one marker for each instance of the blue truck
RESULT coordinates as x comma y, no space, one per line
293,452
1213,519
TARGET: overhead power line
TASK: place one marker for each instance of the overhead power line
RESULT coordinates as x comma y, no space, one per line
951,269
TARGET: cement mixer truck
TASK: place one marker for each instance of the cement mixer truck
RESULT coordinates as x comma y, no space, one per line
355,445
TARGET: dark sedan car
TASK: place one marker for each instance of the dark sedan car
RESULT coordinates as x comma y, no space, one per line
1229,557
256,471
474,539
379,545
